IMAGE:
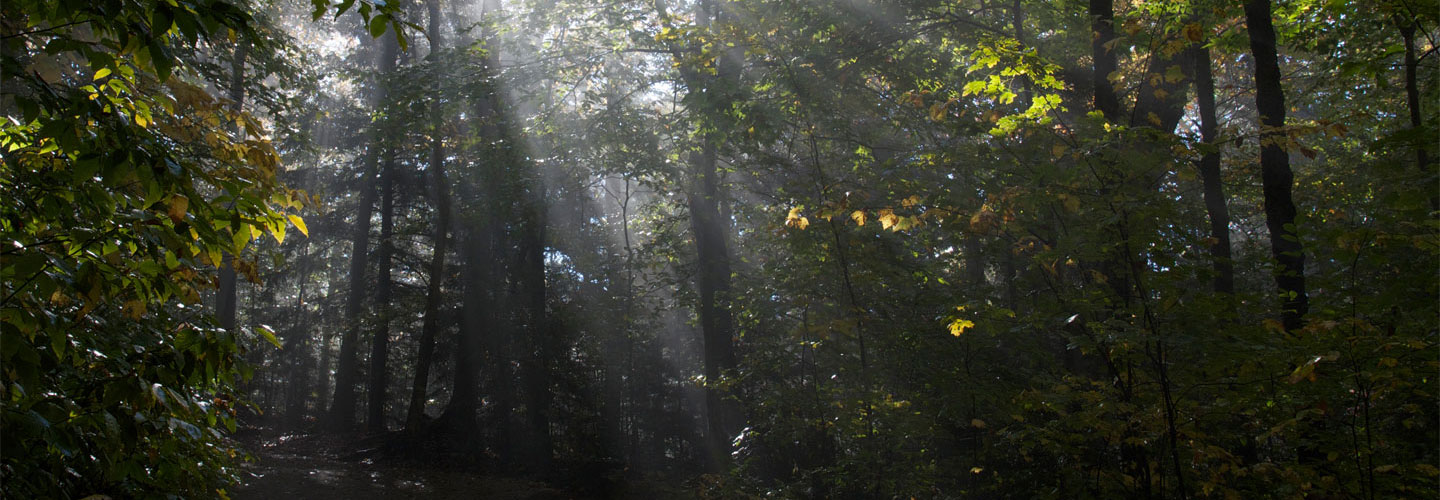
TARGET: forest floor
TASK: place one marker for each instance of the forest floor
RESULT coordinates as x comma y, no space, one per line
313,466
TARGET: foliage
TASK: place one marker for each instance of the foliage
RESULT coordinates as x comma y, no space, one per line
125,182
949,274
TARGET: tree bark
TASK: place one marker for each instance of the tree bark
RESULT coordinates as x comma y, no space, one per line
434,293
1412,98
226,298
476,314
1214,189
539,341
342,409
380,343
1277,179
1102,28
712,279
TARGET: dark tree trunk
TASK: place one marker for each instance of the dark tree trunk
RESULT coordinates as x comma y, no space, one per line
539,341
497,358
713,283
440,191
225,299
297,373
618,346
342,409
712,279
1102,28
1160,100
1276,178
1214,190
1412,98
380,344
475,319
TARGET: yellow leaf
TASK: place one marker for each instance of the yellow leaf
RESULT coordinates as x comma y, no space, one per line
299,224
1193,32
958,326
977,423
795,220
859,216
104,72
937,111
888,218
277,229
178,204
133,309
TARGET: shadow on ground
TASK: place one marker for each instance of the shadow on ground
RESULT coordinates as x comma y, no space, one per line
300,466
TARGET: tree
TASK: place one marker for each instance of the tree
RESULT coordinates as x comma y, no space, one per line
342,410
123,190
1275,173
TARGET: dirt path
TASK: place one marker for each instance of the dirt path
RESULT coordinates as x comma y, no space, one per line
295,467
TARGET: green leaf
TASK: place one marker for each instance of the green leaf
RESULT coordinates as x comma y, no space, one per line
162,61
269,335
378,24
344,6
400,36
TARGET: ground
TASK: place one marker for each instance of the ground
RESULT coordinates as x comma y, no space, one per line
304,466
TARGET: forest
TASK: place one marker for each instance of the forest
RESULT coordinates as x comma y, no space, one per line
719,249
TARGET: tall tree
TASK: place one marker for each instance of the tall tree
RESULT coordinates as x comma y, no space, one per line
711,233
1412,99
226,298
342,409
380,342
1277,180
440,193
1214,188
1102,38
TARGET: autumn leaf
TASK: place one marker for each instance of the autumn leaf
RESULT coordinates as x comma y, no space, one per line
859,217
299,224
177,206
959,326
795,220
1193,32
887,218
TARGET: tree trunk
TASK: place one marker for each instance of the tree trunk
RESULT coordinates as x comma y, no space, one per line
476,315
1412,98
539,341
1277,180
1214,190
225,299
712,279
1102,28
414,416
342,409
1160,100
297,373
380,344
617,346
713,283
